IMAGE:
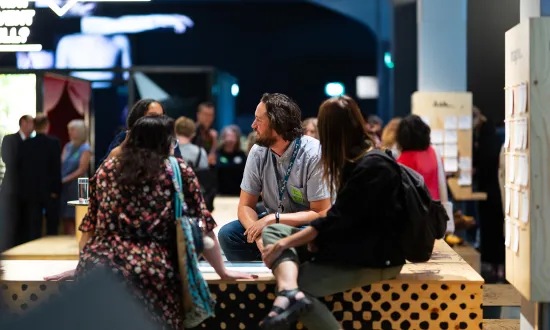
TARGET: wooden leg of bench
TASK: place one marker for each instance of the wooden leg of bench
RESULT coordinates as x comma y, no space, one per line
500,324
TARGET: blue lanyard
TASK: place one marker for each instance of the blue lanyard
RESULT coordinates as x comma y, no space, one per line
282,184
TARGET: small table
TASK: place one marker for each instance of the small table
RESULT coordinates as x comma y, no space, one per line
80,211
464,193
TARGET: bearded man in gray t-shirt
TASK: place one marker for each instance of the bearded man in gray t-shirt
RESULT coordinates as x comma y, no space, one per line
284,168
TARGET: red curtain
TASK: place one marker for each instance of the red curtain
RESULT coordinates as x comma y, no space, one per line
65,99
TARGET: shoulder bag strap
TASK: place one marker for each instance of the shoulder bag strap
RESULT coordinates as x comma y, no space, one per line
199,157
179,202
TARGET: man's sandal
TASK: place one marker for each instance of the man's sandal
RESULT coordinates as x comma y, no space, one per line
286,317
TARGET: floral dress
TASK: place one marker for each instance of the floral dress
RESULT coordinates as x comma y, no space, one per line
134,234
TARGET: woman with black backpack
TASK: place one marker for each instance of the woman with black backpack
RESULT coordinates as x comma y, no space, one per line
358,241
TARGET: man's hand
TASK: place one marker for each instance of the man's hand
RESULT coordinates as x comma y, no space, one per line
255,231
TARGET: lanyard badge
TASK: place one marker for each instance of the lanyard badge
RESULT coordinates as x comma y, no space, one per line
282,184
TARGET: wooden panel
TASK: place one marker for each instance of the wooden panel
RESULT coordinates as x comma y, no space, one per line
500,324
385,305
501,295
527,68
435,107
46,248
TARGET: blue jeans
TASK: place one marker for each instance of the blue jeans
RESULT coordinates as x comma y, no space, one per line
234,245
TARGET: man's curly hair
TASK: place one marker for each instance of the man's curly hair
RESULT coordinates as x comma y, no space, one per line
285,116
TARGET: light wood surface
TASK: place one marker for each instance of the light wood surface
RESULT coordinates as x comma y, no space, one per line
528,62
470,255
464,193
501,295
46,248
501,325
445,266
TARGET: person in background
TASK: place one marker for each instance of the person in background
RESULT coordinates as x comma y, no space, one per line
206,135
310,127
75,164
144,107
250,141
374,125
284,167
389,140
231,162
10,205
192,154
40,181
413,138
139,243
356,243
414,142
485,160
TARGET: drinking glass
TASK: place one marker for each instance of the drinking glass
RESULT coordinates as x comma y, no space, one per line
83,190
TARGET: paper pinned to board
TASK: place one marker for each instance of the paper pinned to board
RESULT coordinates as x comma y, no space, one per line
465,178
436,136
465,163
524,212
507,134
507,232
515,203
451,136
465,122
507,199
521,94
451,122
510,171
450,164
450,150
515,246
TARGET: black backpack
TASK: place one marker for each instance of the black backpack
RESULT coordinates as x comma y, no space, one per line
426,219
208,179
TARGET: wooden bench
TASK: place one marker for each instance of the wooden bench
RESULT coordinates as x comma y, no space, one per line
444,293
500,295
470,255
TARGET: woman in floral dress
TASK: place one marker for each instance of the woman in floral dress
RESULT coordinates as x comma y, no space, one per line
130,224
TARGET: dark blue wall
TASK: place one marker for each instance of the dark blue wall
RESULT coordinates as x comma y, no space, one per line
288,48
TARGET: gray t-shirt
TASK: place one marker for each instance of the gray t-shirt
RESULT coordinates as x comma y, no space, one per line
190,153
305,183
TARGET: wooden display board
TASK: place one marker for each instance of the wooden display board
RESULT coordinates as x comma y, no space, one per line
527,143
449,116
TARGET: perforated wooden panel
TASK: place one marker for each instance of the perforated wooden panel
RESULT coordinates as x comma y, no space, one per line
388,305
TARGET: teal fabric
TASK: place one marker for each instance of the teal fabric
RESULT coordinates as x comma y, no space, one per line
203,304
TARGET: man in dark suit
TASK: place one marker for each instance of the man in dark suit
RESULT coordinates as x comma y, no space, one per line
10,206
40,181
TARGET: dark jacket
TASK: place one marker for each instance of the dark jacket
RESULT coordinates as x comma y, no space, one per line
10,149
364,226
40,168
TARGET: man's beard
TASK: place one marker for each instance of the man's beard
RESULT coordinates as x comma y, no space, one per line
266,140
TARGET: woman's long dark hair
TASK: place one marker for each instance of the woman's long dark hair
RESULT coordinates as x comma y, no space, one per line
149,143
343,137
139,110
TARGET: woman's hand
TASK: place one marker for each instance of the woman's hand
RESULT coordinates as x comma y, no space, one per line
65,276
270,253
229,275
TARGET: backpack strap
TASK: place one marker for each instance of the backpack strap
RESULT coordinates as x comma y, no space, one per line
199,157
